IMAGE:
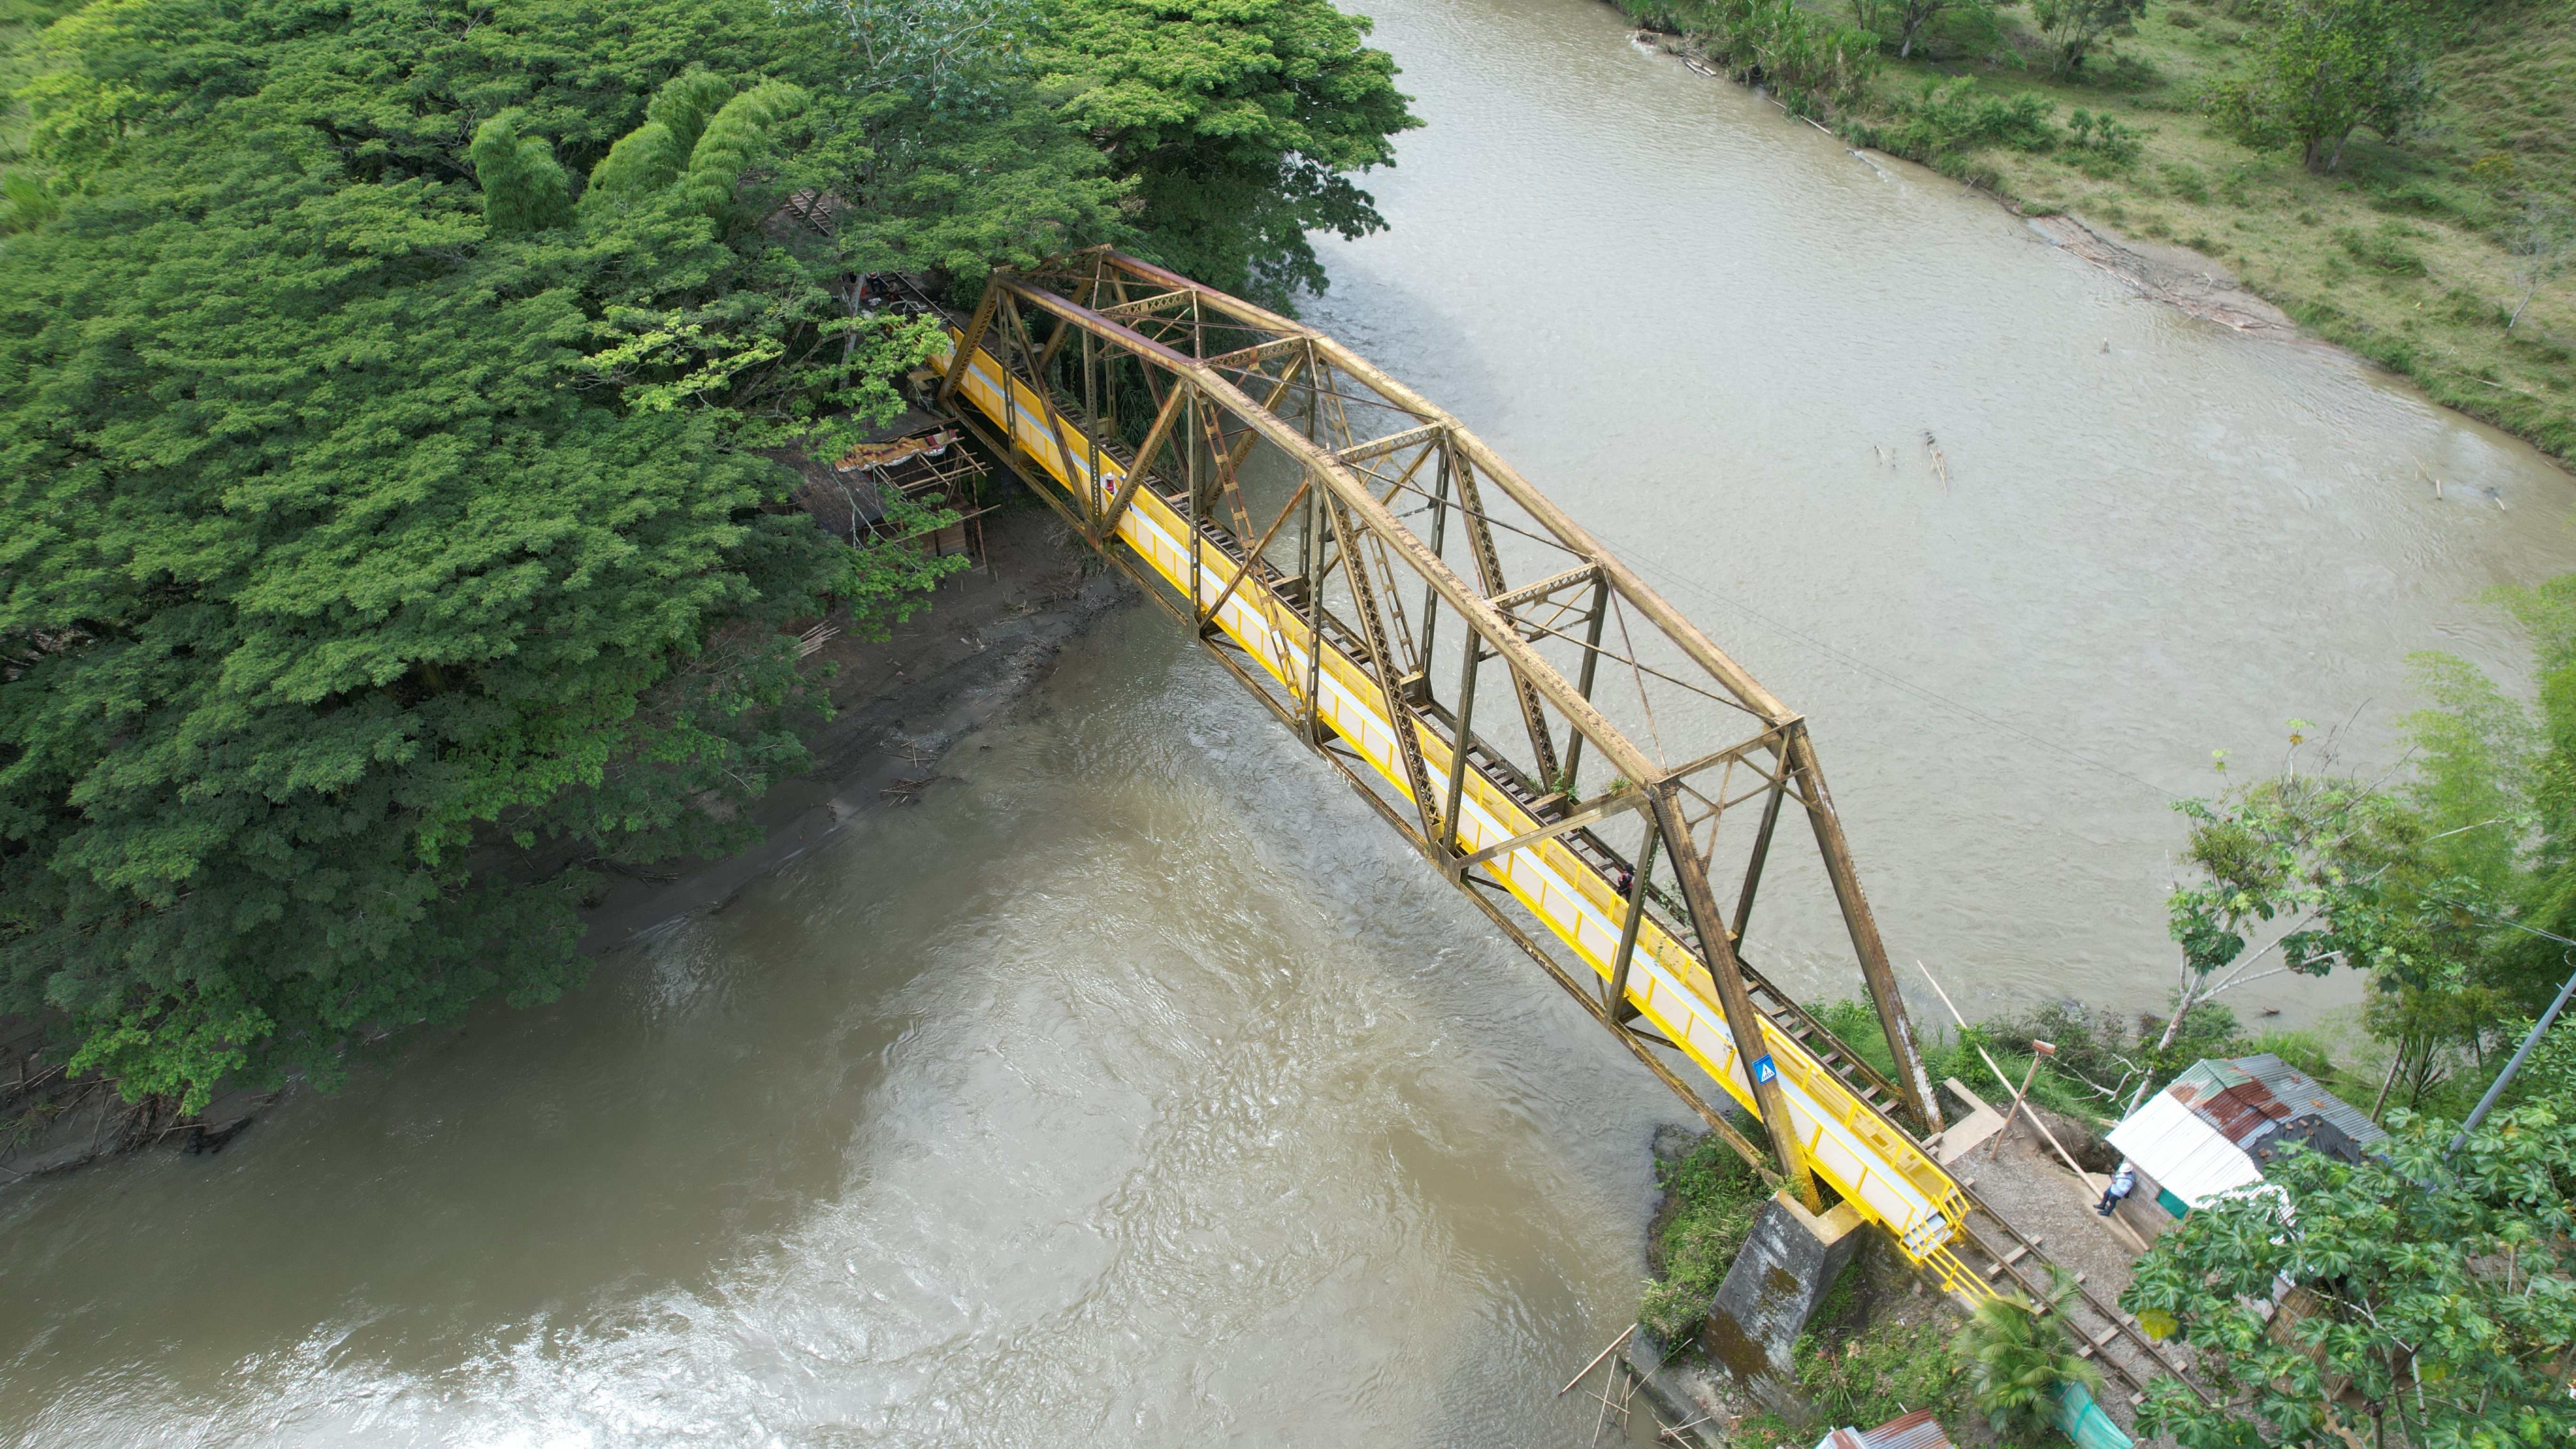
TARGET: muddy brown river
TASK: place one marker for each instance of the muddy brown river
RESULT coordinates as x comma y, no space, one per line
1143,1089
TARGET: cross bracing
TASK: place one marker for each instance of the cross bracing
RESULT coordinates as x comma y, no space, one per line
1389,586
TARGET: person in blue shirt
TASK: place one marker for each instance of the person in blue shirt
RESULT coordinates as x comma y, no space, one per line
2123,1182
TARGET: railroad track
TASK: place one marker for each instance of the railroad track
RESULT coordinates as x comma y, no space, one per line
2101,1331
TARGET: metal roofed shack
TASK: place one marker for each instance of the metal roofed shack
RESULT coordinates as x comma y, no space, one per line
2220,1123
1917,1430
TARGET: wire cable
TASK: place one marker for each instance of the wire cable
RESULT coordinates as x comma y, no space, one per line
1851,661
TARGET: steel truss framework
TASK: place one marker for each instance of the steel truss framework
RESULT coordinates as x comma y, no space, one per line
1258,477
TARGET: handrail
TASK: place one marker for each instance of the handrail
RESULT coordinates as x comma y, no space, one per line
1871,1162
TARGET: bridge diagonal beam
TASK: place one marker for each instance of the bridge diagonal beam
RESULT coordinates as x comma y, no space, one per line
1164,417
1369,513
1382,662
1489,573
1666,958
1582,818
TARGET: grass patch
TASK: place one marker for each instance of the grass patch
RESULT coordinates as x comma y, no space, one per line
1866,1378
2375,256
1714,1199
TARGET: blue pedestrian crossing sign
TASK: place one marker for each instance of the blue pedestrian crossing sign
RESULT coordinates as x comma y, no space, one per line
1763,1071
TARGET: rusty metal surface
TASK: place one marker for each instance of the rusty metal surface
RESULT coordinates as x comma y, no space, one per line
1341,506
1917,1430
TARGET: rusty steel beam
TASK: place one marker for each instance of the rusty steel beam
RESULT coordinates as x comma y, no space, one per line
1118,303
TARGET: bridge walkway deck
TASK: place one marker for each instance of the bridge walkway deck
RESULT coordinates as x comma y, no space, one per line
1573,882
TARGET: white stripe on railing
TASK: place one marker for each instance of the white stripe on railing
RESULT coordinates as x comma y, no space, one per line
1687,1019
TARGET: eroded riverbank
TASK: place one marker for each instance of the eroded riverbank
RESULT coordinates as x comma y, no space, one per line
901,704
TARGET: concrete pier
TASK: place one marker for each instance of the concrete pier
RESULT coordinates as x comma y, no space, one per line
1787,1267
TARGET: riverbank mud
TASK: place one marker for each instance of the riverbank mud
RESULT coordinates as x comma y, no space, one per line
2175,276
990,635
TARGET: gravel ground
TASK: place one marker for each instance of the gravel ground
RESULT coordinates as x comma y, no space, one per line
2026,1183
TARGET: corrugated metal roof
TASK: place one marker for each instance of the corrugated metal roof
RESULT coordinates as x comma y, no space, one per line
2196,1137
2300,1093
2243,1114
1918,1430
2243,1096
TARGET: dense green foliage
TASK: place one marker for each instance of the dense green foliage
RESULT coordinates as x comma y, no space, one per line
2020,1358
2075,27
1903,21
1811,61
1239,121
1948,120
2434,1305
1715,1196
1865,1373
392,389
2325,68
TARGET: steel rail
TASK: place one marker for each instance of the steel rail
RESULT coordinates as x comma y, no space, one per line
1866,1157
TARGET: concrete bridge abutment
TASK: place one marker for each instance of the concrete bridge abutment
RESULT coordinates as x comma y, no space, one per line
1788,1265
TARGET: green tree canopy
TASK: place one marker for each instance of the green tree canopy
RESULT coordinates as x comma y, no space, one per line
1239,122
390,387
370,505
2324,69
2074,27
2431,1301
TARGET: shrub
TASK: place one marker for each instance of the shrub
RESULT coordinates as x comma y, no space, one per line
2186,181
2422,197
1804,57
1873,1378
2209,1029
1716,1196
1949,121
2302,1049
2104,136
2018,1356
2382,251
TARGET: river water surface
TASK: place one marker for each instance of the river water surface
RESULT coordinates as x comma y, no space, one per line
1142,1089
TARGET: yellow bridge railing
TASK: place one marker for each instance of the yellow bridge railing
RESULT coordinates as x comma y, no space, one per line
1867,1159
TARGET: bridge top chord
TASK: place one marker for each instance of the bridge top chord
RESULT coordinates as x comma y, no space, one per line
1349,551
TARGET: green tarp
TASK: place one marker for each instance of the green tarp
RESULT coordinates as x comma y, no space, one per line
2083,1421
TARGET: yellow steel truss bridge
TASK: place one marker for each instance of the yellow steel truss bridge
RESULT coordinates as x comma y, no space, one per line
1263,482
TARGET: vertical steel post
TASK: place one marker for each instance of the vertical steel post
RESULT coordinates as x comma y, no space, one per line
1190,524
1583,684
1450,841
1761,847
1742,1020
1617,998
1314,613
1911,1078
1091,421
1439,532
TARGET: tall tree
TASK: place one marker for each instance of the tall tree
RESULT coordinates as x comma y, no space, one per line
2074,27
366,508
1240,121
2324,69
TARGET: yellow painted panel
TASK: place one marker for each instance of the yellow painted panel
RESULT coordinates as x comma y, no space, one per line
1879,1170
